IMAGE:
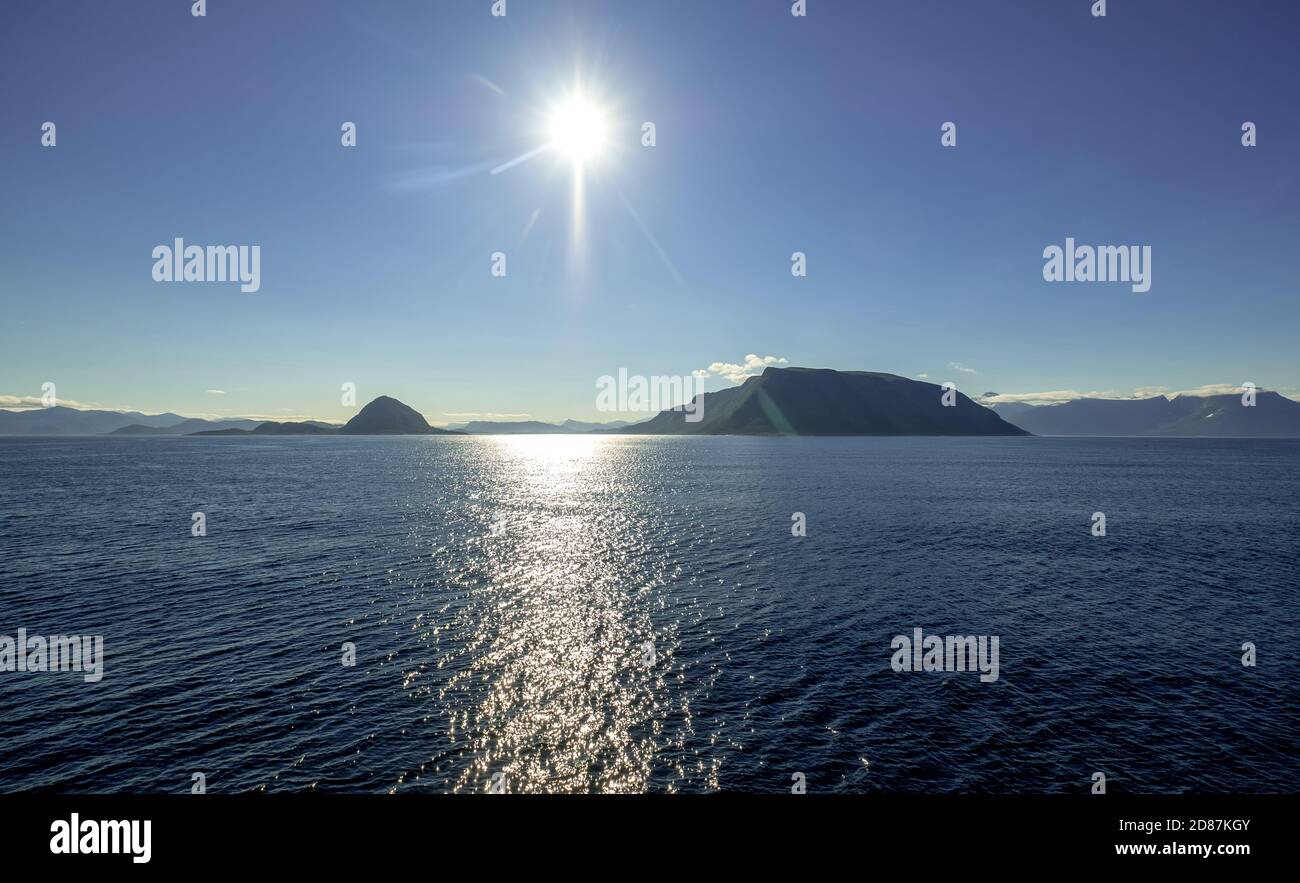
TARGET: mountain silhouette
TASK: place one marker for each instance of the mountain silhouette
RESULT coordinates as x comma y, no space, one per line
822,401
780,401
388,416
383,416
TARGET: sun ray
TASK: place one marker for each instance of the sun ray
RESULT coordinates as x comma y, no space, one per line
519,160
663,255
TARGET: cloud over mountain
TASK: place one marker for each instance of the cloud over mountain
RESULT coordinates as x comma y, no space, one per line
737,373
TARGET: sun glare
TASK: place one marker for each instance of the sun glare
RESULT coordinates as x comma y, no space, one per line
578,130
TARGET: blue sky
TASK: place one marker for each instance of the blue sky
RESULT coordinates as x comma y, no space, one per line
775,134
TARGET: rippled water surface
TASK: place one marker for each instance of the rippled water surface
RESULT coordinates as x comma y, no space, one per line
585,613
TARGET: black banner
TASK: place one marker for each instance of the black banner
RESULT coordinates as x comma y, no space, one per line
333,831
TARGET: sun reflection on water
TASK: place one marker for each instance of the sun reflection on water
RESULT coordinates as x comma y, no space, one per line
562,699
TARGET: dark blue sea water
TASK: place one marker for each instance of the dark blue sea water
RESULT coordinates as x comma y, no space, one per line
520,649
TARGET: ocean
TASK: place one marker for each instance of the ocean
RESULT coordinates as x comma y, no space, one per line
631,614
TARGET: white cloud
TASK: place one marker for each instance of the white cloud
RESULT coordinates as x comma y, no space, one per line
923,376
962,368
736,373
1143,392
484,415
17,401
25,403
215,392
1211,389
1053,396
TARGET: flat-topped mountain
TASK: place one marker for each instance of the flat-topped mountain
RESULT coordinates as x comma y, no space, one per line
1218,416
822,401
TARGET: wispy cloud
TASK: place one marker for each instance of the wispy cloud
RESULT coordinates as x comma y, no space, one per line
1212,389
484,415
1054,396
23,403
962,368
737,372
19,402
215,392
1142,392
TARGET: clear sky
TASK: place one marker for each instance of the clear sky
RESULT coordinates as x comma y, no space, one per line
775,134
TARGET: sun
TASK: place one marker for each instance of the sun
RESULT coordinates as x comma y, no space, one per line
578,130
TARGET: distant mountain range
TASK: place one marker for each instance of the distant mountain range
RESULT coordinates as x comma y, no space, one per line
821,401
271,427
1220,416
780,401
71,421
383,416
190,427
